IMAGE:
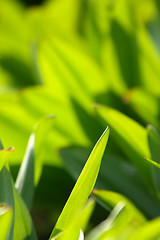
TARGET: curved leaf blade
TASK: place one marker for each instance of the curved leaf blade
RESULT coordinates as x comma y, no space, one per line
149,231
107,224
127,222
129,135
117,175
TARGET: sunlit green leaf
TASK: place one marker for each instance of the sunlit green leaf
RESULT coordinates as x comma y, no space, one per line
146,105
26,108
41,132
83,186
23,227
127,222
129,135
107,224
5,221
6,195
148,62
74,231
149,231
117,175
21,215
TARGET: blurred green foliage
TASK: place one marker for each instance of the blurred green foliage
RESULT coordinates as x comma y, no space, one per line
90,63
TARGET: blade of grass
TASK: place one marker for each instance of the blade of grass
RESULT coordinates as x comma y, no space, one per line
23,226
83,187
6,195
74,231
31,166
6,214
104,226
154,143
127,222
149,231
117,175
41,131
110,199
129,135
145,104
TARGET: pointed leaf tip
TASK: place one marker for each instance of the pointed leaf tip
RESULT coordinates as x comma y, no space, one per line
83,186
107,128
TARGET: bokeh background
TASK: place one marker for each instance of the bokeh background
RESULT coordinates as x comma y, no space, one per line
64,57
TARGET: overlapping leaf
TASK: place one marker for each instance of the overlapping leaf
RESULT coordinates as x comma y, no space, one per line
128,221
117,175
129,135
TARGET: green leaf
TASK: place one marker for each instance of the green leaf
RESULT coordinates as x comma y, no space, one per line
41,132
58,236
107,224
57,58
117,175
29,106
6,195
110,199
6,214
154,143
74,231
148,62
4,156
25,179
83,187
85,214
63,236
23,226
128,221
149,231
129,135
31,166
145,104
